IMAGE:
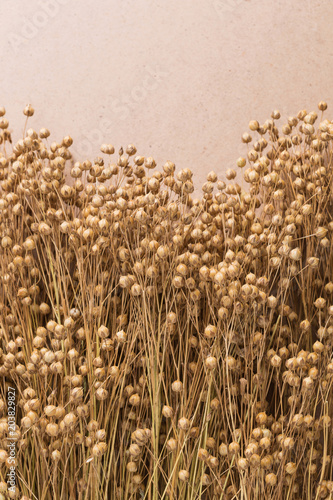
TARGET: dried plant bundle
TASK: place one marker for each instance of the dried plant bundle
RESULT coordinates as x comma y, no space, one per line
160,346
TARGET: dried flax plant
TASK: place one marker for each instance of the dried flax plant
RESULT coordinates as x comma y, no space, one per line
164,347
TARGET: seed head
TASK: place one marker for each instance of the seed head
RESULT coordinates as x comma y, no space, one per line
177,386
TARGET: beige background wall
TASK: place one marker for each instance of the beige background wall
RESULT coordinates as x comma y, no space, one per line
178,78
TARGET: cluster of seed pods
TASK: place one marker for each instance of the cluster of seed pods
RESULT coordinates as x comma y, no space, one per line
163,346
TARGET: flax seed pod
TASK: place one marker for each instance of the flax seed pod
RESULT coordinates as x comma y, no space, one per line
210,443
210,331
194,432
276,361
178,282
271,479
243,463
139,436
211,363
261,418
251,449
234,448
291,468
28,110
177,386
205,479
203,454
266,462
255,461
121,336
99,449
295,254
183,475
135,450
56,455
215,404
132,467
52,429
318,347
134,400
103,332
231,363
107,149
184,423
322,106
172,445
167,411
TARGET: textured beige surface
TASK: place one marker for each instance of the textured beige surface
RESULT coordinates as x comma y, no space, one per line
178,78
